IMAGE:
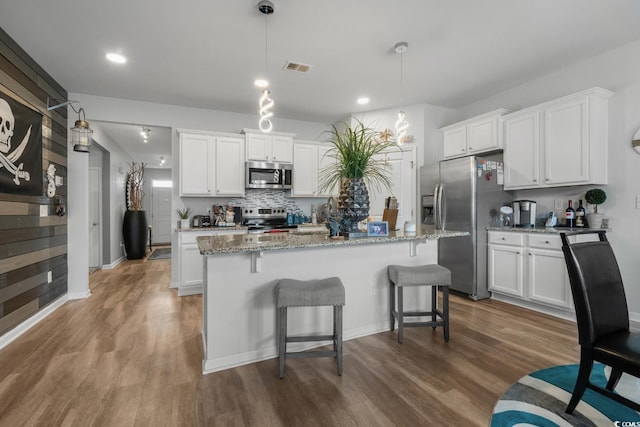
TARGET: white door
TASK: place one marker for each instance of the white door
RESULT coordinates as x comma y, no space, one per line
95,217
160,215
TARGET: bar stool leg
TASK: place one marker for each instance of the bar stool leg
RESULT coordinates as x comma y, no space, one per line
282,339
434,304
338,335
445,311
392,306
400,314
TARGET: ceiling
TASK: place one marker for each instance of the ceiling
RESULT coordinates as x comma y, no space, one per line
207,53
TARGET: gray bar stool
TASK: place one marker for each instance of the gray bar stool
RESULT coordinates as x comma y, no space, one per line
311,293
432,275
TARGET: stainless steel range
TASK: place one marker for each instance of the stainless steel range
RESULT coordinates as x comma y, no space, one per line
266,220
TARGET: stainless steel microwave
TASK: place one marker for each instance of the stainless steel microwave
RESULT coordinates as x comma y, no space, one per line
268,175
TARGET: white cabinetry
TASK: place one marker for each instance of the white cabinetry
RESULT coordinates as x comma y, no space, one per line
211,164
272,147
190,261
473,136
308,160
531,267
558,143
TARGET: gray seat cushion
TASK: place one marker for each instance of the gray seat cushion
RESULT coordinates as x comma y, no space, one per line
300,293
421,275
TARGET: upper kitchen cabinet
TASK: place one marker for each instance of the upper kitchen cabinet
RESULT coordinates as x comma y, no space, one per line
274,147
473,136
211,164
308,160
558,143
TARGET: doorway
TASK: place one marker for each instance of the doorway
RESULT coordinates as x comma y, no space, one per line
160,213
95,218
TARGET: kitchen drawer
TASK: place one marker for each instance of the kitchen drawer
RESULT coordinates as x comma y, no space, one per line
545,241
506,238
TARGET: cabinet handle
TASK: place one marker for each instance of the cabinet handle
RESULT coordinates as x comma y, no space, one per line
470,148
462,150
535,180
518,253
546,179
504,238
529,254
547,242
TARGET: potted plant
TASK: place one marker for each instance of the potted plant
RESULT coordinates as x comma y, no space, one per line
595,197
135,227
184,217
357,166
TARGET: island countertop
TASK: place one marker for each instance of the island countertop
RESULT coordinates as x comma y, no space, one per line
235,244
549,230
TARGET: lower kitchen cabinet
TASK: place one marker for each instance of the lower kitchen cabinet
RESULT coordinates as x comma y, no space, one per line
529,266
190,275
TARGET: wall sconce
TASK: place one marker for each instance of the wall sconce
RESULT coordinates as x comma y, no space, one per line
635,142
81,133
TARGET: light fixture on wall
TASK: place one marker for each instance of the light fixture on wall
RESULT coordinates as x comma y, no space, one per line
81,133
145,134
635,142
401,124
266,102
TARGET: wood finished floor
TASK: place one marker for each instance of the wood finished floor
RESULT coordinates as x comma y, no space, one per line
131,355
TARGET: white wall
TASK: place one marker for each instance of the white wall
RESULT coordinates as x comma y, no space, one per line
618,71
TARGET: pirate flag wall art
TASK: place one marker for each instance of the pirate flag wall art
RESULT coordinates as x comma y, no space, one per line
20,148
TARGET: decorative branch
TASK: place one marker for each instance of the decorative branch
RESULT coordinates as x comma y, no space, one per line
135,182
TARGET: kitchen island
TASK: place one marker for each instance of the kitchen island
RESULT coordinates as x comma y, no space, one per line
242,271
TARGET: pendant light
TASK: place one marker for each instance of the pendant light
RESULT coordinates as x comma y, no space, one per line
401,124
266,102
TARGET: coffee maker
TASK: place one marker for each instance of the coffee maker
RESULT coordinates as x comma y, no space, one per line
524,213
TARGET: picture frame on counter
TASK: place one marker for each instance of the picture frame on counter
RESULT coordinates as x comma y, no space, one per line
378,228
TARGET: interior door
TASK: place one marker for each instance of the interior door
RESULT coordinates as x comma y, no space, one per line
160,215
95,217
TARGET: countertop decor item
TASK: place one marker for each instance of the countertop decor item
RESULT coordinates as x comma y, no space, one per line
184,215
356,167
135,226
595,197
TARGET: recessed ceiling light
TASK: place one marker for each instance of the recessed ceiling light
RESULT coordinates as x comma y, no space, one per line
363,100
261,83
116,57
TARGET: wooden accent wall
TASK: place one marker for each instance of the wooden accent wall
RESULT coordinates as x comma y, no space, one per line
31,246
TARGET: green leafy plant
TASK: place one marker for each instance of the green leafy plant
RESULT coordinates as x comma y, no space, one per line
595,197
354,149
184,213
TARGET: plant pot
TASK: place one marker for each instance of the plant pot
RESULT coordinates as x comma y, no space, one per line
135,231
184,223
354,204
595,220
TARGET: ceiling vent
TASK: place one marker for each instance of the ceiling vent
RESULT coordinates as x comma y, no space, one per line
296,67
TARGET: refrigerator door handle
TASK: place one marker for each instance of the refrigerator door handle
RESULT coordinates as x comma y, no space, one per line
443,207
436,207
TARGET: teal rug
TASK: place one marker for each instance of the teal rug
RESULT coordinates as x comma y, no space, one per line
540,399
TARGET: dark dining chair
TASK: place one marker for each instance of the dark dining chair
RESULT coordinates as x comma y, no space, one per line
602,316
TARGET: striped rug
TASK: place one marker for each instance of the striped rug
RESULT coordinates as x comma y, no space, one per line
540,399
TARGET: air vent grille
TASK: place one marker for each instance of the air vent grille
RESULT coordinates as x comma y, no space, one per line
296,67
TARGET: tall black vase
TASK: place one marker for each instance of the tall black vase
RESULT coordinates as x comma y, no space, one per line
134,231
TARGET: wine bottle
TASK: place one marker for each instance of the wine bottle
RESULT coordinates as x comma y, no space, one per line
570,216
580,215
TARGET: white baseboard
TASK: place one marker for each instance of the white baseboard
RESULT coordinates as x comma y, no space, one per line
174,285
271,352
634,321
190,290
23,327
79,295
113,264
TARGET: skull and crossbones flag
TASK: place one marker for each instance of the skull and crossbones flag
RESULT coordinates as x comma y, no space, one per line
20,148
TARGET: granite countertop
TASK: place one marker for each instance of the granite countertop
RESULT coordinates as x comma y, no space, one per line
214,229
235,244
553,230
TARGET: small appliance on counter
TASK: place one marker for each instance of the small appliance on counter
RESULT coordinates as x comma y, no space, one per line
524,213
201,221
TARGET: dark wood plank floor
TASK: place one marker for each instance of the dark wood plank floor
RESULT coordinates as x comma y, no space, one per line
131,355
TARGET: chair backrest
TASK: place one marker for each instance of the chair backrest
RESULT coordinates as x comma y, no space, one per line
597,288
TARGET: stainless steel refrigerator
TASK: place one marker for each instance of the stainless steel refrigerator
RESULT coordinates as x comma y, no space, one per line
467,196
